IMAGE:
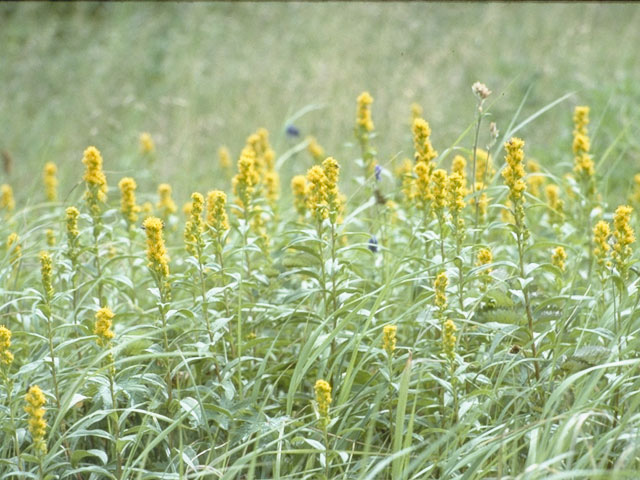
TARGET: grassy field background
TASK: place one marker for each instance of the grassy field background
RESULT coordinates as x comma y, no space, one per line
201,75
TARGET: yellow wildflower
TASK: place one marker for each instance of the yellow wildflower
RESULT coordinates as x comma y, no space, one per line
424,151
439,183
128,205
440,287
389,339
323,399
484,166
6,357
513,173
50,181
449,339
37,424
217,220
601,234
624,236
246,179
299,188
156,251
534,181
583,164
72,214
364,121
51,237
317,193
14,246
146,143
331,173
102,326
556,204
314,148
558,258
421,191
46,271
194,226
165,204
95,179
6,197
459,166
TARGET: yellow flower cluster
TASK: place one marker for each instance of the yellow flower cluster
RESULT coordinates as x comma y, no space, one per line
555,203
165,204
224,158
404,172
46,272
558,258
624,236
363,114
95,179
102,326
6,357
50,181
72,214
245,181
37,424
323,399
419,188
583,164
514,173
440,287
317,193
299,188
424,151
389,339
459,166
439,183
333,200
456,191
484,166
14,246
484,257
449,339
601,234
266,156
194,226
146,143
217,220
314,148
156,251
128,205
51,237
534,180
7,201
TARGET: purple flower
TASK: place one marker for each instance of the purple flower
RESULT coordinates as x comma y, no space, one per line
373,244
378,171
292,131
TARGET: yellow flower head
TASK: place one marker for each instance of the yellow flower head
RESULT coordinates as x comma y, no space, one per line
299,189
13,244
624,236
484,166
440,287
601,234
558,258
37,424
72,214
102,326
484,257
224,157
404,172
555,203
449,339
165,204
95,179
389,339
439,183
323,398
128,205
156,251
6,357
194,226
217,219
146,143
246,179
421,142
46,271
421,188
317,193
513,172
583,164
50,181
456,191
459,166
272,187
314,148
363,114
534,182
331,174
51,237
6,197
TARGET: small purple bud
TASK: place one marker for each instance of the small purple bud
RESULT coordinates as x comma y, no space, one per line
373,244
378,171
292,131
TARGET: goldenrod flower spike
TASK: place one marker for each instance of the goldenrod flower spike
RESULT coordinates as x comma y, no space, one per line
424,151
331,173
583,164
46,271
95,179
440,287
601,233
558,258
194,226
389,339
552,192
147,145
316,151
534,182
37,424
317,193
51,237
439,182
6,357
363,114
72,214
459,166
128,205
245,181
7,201
50,181
449,339
102,326
156,251
299,188
323,399
484,257
165,204
217,219
624,237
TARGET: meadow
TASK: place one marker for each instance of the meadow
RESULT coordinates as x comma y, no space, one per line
286,241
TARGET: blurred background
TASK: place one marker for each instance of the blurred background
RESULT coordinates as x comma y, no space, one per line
200,75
